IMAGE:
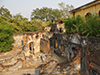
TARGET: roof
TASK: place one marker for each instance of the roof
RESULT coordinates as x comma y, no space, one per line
81,7
35,32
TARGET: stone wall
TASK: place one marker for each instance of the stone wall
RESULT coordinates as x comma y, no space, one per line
18,39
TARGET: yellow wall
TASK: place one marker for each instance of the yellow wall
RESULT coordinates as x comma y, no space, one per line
83,11
97,8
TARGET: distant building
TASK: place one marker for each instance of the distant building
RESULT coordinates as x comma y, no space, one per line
87,9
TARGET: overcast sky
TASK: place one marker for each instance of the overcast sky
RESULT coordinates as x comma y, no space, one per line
25,7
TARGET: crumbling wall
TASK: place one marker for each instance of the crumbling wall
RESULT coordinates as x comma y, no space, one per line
33,37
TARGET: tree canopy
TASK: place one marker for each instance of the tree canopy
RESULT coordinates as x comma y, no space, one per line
46,14
5,12
65,9
19,16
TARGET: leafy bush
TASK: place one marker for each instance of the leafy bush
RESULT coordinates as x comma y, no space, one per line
73,24
88,26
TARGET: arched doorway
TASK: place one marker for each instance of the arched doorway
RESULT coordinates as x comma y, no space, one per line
99,13
31,47
88,14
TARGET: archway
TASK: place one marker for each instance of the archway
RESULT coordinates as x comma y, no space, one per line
99,13
88,14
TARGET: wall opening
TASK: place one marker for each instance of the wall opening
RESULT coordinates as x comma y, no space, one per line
22,42
73,13
61,30
31,47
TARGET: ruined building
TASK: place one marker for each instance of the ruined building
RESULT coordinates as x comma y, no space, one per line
32,49
26,51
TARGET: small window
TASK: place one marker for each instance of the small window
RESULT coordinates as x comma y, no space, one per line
37,36
22,42
61,30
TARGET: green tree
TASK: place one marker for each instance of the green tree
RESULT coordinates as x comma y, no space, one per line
65,9
6,39
5,12
19,16
45,13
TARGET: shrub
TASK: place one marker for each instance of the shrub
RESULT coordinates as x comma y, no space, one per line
88,26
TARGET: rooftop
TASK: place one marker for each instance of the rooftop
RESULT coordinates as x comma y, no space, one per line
86,5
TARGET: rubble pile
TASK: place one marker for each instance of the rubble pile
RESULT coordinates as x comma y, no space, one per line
75,48
50,48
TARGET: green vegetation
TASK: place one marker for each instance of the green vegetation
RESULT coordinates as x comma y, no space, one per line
65,9
49,14
6,39
88,26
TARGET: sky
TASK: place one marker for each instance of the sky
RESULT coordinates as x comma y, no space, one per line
25,7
